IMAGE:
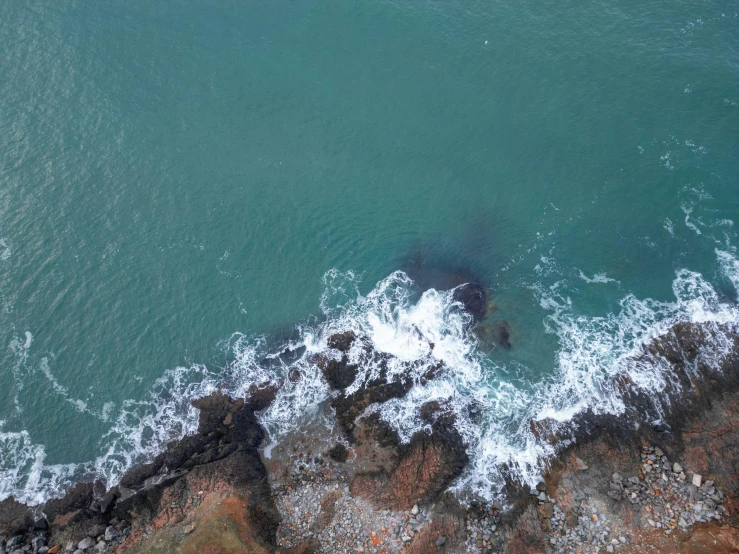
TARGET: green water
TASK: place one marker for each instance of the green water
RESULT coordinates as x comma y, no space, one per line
174,172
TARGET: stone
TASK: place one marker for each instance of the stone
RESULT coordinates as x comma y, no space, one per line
37,543
546,510
71,546
55,549
85,543
41,524
14,542
677,468
414,510
96,531
111,533
696,480
441,541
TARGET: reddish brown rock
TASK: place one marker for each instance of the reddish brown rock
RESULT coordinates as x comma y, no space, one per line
425,468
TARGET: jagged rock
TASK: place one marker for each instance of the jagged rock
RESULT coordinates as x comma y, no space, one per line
425,468
342,341
350,407
339,374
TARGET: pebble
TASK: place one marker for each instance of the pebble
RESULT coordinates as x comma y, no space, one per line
661,494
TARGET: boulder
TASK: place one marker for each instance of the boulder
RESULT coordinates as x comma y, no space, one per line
473,298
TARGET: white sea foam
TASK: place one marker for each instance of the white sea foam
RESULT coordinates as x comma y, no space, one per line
597,278
416,333
5,251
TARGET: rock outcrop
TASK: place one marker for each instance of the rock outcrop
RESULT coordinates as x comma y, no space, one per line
622,484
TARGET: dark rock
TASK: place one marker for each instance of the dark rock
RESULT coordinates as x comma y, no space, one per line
41,524
137,475
429,410
473,298
261,397
213,411
108,500
441,541
349,408
381,431
14,517
78,497
338,373
342,341
338,453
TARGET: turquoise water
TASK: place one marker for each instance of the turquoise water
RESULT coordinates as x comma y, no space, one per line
178,181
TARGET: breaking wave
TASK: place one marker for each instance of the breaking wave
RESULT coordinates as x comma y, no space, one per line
418,330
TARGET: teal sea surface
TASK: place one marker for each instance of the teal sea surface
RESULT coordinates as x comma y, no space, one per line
189,188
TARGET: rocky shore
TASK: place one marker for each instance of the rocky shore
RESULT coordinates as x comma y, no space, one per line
624,484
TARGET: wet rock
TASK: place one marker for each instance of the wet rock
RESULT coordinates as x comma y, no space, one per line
342,341
108,501
261,397
473,298
338,453
350,407
429,410
339,374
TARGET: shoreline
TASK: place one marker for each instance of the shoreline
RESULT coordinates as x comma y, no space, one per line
359,489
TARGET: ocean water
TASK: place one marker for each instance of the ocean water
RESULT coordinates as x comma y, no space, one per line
188,189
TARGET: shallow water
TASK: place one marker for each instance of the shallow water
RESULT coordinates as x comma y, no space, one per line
183,185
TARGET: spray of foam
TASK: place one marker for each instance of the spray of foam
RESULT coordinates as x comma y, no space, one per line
416,333
5,251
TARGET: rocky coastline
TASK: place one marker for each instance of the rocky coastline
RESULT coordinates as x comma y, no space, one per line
623,484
